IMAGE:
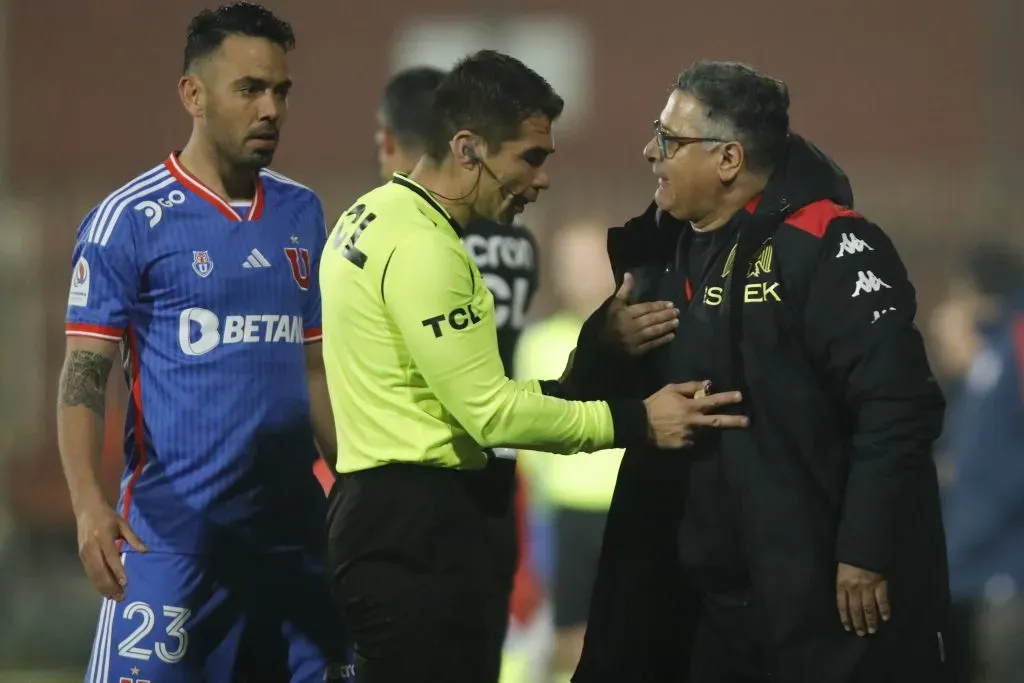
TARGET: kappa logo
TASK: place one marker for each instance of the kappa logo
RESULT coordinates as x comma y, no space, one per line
879,314
154,210
298,258
202,264
851,244
868,282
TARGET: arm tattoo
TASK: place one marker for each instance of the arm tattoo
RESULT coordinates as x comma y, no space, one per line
84,381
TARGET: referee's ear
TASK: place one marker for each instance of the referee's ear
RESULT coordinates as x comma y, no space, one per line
467,149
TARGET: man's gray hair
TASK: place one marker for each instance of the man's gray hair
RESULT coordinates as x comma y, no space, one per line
742,104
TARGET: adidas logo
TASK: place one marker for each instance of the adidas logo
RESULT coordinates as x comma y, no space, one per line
256,260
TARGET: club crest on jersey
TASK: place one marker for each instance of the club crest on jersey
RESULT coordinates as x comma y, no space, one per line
298,257
202,263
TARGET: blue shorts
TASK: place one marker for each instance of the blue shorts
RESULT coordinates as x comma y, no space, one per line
187,619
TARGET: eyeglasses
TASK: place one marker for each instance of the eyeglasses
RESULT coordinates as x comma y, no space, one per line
669,144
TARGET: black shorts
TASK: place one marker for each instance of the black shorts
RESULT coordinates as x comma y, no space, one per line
578,538
413,572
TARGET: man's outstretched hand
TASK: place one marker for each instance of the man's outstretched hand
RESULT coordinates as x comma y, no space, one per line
638,328
676,413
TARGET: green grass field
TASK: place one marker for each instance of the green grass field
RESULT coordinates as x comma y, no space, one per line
41,677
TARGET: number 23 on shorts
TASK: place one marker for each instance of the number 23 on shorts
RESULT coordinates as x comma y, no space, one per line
147,635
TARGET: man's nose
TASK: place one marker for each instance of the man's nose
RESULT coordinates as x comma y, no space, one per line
543,180
271,107
651,151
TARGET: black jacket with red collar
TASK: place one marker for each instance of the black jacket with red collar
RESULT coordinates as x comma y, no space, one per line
806,308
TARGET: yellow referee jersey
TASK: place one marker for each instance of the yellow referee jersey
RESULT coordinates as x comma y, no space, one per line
411,350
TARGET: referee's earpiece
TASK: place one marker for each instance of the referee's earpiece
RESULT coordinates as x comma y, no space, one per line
470,153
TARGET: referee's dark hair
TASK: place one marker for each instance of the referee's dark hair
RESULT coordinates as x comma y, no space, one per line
407,107
209,28
741,104
490,94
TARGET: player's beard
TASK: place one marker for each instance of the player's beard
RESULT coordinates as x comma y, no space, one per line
259,159
237,151
244,158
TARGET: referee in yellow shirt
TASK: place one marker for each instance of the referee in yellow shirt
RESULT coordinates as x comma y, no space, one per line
418,388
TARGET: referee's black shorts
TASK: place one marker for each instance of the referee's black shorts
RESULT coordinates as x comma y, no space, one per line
413,572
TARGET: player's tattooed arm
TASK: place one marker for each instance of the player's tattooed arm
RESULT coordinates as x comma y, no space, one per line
83,381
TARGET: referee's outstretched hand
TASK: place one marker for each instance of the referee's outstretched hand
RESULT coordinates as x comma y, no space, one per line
678,411
638,328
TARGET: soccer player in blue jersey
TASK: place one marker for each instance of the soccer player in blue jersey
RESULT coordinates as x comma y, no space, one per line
203,272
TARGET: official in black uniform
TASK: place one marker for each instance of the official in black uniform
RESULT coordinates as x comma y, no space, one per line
506,256
809,548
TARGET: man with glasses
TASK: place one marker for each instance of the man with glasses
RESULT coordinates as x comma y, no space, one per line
808,548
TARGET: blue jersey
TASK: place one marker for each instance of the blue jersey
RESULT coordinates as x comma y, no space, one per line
212,304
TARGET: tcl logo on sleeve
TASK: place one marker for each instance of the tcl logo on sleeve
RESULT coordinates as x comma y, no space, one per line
199,330
457,319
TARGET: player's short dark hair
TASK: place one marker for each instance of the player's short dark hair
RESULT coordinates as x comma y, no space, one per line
211,27
740,100
491,94
407,107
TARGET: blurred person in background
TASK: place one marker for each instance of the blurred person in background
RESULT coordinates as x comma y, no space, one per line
220,325
506,255
979,334
578,490
809,548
